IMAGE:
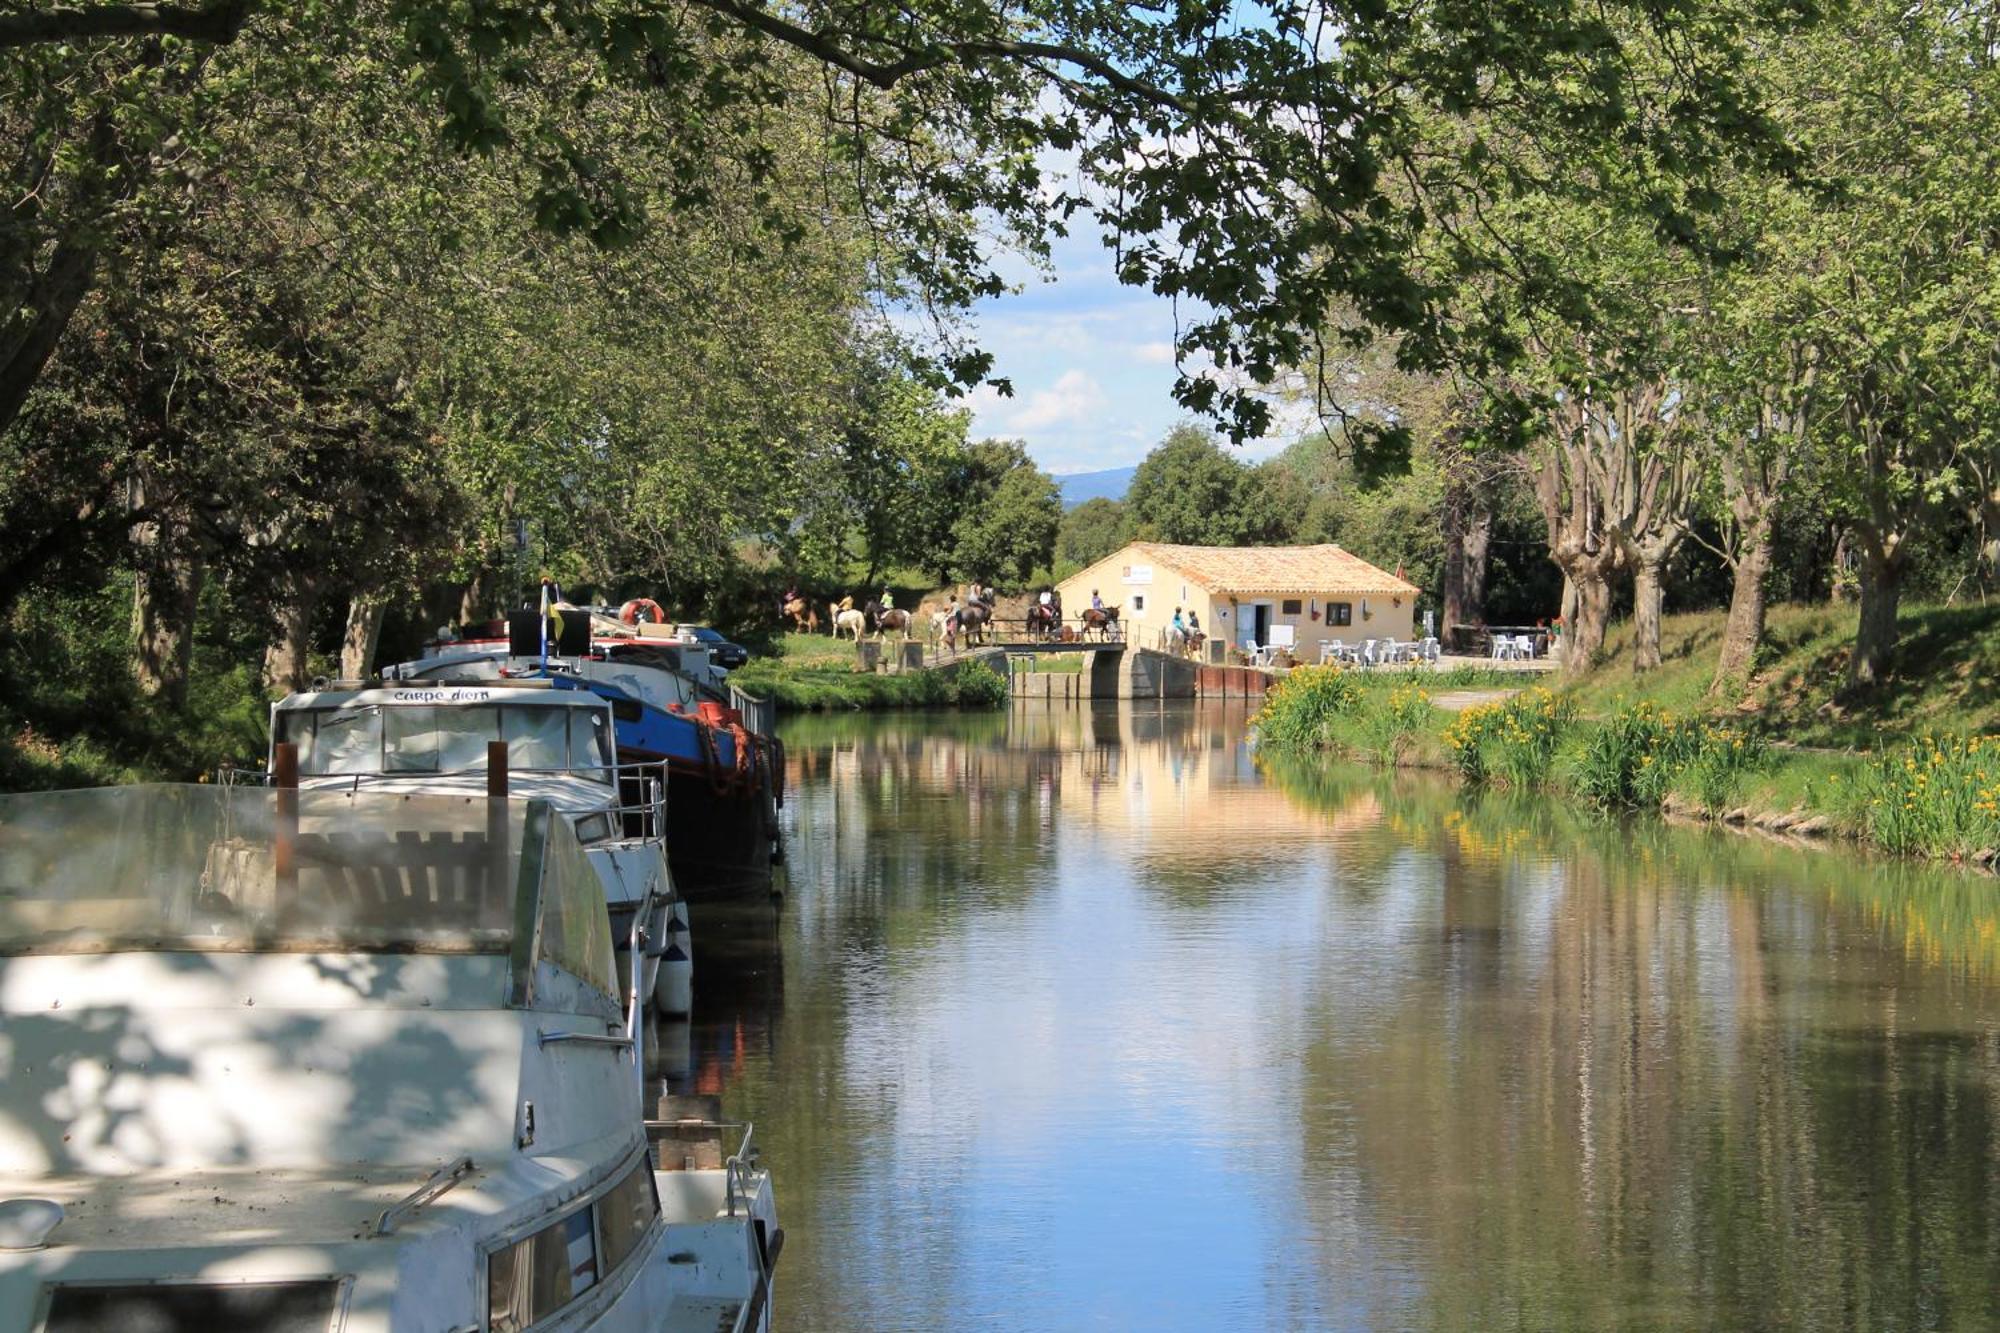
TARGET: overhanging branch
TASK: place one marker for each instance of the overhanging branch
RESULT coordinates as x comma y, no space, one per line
887,74
219,22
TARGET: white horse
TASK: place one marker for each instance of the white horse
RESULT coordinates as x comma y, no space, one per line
853,622
941,626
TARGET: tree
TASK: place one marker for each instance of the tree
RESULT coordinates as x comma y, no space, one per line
1244,155
1188,491
1091,531
1006,527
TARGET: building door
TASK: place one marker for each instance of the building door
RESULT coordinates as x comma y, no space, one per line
1255,626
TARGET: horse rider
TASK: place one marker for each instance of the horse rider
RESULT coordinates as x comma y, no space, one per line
1180,624
1096,602
1194,625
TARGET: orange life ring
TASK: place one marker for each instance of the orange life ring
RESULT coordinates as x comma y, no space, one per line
629,613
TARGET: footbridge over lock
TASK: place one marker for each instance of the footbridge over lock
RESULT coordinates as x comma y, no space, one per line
1109,670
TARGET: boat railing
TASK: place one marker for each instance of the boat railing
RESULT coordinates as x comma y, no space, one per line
638,815
738,1167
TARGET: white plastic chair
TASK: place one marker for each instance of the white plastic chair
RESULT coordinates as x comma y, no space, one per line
1331,651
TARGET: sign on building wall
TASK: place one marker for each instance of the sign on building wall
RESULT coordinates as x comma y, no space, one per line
1137,574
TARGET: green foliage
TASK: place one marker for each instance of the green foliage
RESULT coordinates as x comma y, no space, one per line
1513,740
1938,797
1189,492
1003,516
1304,709
1635,757
803,685
1091,531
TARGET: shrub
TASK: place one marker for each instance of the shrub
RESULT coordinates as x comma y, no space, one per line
1513,740
1303,710
976,685
1939,797
1642,752
1388,726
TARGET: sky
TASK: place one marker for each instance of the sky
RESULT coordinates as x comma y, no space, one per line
1091,360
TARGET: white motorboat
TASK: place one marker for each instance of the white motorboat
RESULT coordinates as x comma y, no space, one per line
343,1061
556,745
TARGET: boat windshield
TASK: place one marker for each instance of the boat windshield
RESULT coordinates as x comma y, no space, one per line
237,869
403,738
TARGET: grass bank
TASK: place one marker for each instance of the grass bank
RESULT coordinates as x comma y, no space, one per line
71,716
1933,795
1946,678
807,673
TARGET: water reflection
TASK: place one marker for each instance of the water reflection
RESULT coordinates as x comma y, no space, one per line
1087,1021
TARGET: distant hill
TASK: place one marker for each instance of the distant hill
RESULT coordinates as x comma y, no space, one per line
1110,484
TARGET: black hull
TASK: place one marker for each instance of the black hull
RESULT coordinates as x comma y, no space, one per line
719,844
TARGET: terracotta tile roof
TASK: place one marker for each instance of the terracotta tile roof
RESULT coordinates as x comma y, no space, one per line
1304,570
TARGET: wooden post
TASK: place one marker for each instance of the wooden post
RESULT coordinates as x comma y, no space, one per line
284,843
496,820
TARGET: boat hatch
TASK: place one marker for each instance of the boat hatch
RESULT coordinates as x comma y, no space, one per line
255,869
265,1307
427,737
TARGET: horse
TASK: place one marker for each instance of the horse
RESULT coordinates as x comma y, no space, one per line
805,616
973,618
942,624
1104,623
886,622
849,621
1043,620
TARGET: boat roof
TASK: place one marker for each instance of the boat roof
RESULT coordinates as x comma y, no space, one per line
532,693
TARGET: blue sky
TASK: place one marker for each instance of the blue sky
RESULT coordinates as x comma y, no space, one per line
1091,361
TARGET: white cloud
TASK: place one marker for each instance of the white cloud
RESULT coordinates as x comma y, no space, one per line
1072,399
1156,354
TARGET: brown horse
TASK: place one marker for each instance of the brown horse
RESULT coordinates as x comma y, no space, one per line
805,616
1043,620
1102,623
973,618
886,622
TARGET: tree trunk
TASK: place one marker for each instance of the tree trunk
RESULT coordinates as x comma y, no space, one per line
1881,574
1583,636
1649,595
472,609
166,586
1467,545
1745,628
364,631
286,665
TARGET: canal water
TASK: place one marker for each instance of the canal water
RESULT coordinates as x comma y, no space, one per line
1081,1019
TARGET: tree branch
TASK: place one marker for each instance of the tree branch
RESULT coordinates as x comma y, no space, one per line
824,47
218,22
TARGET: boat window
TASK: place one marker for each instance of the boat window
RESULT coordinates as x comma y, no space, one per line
348,740
575,932
409,740
535,737
276,1307
589,739
462,737
199,868
625,1212
536,1276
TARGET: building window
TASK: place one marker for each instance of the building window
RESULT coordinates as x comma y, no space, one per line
1290,607
1340,613
1138,602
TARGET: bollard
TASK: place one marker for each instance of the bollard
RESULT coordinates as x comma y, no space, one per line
284,845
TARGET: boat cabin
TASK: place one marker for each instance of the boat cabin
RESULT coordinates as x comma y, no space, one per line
335,1060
